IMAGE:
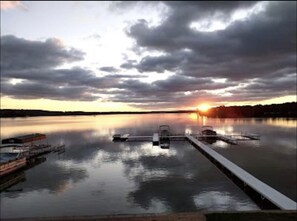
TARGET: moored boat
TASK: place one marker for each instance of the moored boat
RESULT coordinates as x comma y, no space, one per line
164,132
208,134
14,148
165,144
116,137
208,131
164,135
12,158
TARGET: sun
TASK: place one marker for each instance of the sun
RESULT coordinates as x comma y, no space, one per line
203,107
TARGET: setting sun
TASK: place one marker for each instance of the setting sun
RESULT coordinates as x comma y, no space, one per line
203,107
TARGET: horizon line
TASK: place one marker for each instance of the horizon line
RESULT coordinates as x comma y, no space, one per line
148,111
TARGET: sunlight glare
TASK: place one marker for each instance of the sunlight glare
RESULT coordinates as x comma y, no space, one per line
203,107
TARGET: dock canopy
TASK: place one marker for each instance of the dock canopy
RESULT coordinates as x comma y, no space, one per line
24,139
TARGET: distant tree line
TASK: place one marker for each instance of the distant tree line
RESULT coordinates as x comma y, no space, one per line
35,113
272,110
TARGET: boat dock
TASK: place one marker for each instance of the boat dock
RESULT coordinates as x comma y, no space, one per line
155,138
265,196
16,152
251,136
227,139
39,150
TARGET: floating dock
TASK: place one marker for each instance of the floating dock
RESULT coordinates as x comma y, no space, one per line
251,136
265,196
227,139
155,138
40,150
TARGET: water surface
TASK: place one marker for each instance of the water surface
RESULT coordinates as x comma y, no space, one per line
96,176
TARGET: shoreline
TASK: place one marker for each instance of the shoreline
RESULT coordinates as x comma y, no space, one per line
264,215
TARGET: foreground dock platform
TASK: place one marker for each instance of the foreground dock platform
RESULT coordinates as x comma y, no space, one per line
265,196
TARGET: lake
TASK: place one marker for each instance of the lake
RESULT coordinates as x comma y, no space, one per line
95,176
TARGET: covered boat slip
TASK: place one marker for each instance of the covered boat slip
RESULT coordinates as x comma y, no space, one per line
24,139
15,151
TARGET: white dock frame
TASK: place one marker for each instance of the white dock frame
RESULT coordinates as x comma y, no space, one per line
156,139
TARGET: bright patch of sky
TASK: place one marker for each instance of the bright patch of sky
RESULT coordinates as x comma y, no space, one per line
216,24
15,81
219,80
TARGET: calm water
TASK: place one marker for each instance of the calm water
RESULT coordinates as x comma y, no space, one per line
95,176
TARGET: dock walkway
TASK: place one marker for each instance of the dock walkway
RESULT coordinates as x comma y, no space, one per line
247,180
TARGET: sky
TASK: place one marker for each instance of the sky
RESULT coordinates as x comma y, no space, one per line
131,56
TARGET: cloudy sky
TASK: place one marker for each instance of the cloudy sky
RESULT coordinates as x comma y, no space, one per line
109,56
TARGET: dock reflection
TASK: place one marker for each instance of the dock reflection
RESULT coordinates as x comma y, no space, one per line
13,179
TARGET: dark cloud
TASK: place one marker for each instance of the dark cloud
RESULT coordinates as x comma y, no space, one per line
266,88
58,84
260,49
129,64
174,84
109,69
261,40
175,92
35,90
35,65
148,98
20,54
242,37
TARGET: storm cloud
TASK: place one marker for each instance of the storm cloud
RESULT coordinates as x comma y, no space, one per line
35,67
261,47
20,54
